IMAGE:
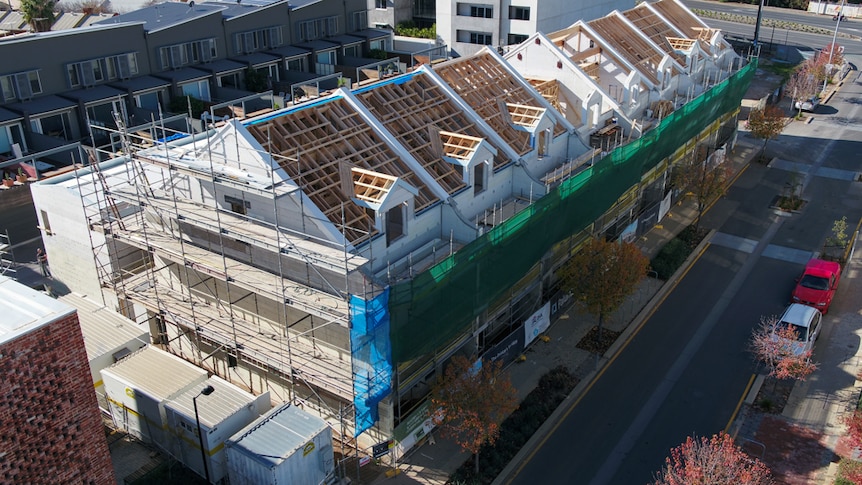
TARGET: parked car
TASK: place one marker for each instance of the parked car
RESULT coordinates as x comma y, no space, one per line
809,104
816,287
805,321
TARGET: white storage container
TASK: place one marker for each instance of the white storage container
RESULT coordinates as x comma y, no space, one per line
138,386
222,414
285,446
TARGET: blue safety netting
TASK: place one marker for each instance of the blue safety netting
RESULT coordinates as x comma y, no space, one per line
372,357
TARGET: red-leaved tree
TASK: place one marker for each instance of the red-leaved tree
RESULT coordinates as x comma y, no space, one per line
770,345
854,428
715,460
470,404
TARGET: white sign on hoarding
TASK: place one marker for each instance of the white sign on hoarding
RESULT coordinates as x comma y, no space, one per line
537,323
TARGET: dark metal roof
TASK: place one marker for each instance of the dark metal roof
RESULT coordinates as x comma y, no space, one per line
42,105
166,14
257,59
183,75
141,83
93,94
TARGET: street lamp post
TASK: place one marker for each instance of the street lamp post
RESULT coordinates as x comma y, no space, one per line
206,392
832,47
757,27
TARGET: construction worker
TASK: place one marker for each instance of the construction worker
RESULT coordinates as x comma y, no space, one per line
42,258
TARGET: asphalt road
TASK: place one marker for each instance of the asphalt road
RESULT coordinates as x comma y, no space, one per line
781,37
687,368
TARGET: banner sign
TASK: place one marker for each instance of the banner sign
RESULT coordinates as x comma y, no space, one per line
537,323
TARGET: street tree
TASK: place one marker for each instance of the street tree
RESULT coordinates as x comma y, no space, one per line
602,274
766,124
469,404
769,344
715,460
830,56
803,83
705,175
39,14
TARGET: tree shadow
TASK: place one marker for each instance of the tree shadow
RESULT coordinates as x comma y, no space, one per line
793,453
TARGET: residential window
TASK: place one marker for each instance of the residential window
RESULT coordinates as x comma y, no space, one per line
248,42
519,13
378,45
380,4
22,85
479,179
318,28
481,38
359,20
483,11
394,223
296,64
513,39
351,50
179,55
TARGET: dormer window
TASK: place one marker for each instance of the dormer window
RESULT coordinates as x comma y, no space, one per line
394,224
479,174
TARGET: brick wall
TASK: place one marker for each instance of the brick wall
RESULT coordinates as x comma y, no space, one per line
50,427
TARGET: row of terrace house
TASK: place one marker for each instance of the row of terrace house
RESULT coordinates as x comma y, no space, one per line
338,252
75,85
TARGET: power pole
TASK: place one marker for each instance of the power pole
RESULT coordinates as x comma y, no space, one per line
757,26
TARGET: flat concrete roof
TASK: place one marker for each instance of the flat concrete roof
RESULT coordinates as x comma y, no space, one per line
25,309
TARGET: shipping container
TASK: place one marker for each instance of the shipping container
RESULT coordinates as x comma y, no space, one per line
108,337
138,386
222,413
285,446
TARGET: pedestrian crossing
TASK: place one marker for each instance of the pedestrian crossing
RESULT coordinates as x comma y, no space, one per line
772,251
825,172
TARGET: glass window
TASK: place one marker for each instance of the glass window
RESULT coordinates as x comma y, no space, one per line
519,13
482,11
481,38
394,223
516,39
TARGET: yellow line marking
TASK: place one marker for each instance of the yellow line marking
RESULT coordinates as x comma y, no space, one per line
603,369
739,405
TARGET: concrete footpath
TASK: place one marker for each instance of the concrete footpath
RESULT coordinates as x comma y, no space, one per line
811,422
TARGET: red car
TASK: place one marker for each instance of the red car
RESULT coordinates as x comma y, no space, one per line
817,285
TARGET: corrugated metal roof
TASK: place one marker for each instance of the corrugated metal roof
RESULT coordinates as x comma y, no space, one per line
274,436
68,20
225,400
25,309
104,330
156,372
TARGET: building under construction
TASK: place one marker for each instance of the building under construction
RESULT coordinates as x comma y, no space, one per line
338,252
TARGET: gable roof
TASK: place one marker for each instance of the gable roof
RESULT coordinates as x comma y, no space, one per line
483,82
320,143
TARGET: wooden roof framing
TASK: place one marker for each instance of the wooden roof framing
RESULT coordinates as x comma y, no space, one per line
632,47
681,44
408,109
549,89
683,19
656,28
526,116
325,140
371,186
458,146
482,81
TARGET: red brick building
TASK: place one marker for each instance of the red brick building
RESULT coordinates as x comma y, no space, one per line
50,427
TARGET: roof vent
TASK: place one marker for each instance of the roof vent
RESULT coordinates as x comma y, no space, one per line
192,4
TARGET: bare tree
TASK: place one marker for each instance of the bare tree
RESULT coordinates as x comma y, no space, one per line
803,84
705,175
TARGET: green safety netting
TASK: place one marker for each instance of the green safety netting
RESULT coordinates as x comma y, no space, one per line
436,306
